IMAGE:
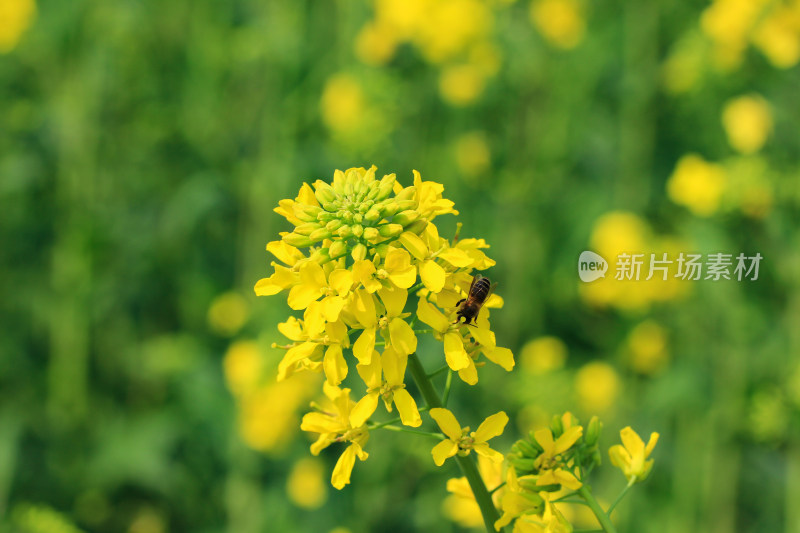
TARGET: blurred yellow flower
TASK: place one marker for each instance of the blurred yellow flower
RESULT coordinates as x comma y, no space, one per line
375,44
461,85
147,520
560,22
683,69
460,506
769,416
306,485
778,36
15,17
243,364
647,348
751,185
228,313
542,355
697,185
597,386
472,153
631,456
343,103
748,123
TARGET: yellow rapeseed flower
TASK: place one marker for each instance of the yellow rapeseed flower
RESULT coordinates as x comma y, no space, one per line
550,468
697,185
647,346
332,423
471,153
631,456
15,17
559,21
305,486
543,355
748,122
228,313
461,441
597,386
384,379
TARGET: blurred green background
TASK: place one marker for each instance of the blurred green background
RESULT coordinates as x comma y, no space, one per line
144,144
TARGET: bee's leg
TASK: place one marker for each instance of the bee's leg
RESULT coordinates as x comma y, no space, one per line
461,301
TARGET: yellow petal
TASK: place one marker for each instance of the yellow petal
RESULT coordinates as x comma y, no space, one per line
285,252
394,366
651,444
407,407
267,287
331,307
500,356
428,314
394,299
433,276
363,409
334,365
364,346
343,468
363,308
567,439
321,423
314,319
491,427
632,442
454,352
337,332
443,450
402,337
371,373
307,196
469,375
396,259
364,273
545,439
447,422
620,458
413,244
484,336
341,281
294,356
302,295
456,257
483,449
292,329
404,278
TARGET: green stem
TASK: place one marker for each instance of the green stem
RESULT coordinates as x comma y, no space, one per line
601,515
621,495
414,431
447,384
437,371
468,467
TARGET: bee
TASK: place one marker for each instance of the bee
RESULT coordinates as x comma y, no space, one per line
479,291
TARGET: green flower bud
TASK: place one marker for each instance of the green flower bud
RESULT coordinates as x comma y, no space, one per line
522,466
404,205
373,191
390,230
390,208
345,232
331,207
333,225
557,426
324,192
418,226
381,250
593,431
307,228
406,217
406,194
358,218
526,449
530,484
386,186
298,241
371,234
532,441
359,252
337,249
319,234
372,215
324,216
306,213
358,230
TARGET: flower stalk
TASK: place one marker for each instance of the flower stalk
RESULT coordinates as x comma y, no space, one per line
468,466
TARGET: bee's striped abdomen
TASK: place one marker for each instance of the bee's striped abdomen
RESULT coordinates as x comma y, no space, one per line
480,289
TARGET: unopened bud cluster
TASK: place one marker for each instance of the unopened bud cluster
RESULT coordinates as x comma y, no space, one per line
356,215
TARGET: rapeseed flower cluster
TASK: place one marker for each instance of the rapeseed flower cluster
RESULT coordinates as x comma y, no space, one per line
455,35
360,247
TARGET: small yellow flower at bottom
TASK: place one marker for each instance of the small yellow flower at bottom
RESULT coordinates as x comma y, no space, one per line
460,441
631,456
548,463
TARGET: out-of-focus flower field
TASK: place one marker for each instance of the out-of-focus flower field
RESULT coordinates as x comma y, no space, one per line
144,146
